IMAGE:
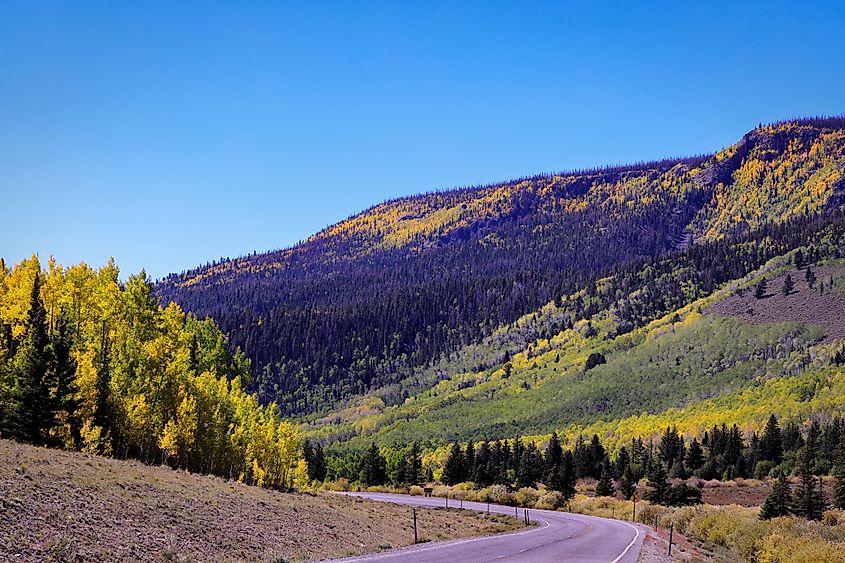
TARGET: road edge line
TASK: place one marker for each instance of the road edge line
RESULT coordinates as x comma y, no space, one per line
633,541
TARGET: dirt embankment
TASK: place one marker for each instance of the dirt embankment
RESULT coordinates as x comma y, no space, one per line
803,304
63,506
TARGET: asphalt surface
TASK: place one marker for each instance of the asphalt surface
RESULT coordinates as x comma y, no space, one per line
557,536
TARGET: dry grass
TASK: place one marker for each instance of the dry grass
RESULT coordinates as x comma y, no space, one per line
803,305
62,506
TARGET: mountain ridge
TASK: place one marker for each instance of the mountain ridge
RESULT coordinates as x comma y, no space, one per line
364,302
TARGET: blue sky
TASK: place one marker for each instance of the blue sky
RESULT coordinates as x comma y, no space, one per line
170,134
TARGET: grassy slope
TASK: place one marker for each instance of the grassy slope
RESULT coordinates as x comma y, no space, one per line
64,506
692,368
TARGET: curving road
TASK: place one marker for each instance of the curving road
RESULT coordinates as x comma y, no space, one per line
558,536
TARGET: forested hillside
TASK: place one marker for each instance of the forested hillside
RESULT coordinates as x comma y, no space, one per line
390,295
89,362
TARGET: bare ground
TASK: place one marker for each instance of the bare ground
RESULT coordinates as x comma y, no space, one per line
804,304
64,506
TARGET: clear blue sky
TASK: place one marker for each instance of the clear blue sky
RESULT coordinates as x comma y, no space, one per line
175,133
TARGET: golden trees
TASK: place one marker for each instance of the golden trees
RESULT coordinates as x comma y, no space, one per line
172,389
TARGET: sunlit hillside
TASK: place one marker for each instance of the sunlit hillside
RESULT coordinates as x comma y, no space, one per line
371,301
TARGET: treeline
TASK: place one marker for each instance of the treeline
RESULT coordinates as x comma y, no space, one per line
722,453
90,363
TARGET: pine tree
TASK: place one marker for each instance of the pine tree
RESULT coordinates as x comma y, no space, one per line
373,467
809,500
623,460
778,501
102,406
695,456
799,259
317,467
564,477
33,405
839,474
656,485
554,455
453,468
761,288
414,473
788,285
627,486
604,488
810,277
771,444
669,446
64,375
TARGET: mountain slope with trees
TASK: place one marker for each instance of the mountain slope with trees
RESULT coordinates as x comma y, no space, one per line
379,299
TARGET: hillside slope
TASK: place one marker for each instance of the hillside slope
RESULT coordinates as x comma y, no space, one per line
369,301
727,357
63,506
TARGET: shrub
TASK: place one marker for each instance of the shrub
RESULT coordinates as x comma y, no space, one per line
341,484
527,496
500,494
552,500
416,491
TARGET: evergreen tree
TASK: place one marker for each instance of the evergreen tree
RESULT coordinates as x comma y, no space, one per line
678,471
64,375
414,472
656,485
453,468
627,486
669,446
779,500
317,467
564,477
554,455
760,288
810,277
481,475
839,474
604,488
597,456
682,495
695,456
623,461
809,500
771,444
102,406
373,467
401,472
33,405
530,466
788,285
799,259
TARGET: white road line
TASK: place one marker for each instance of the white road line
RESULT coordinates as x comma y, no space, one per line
633,541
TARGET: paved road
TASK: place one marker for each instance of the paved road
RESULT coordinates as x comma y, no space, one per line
558,536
